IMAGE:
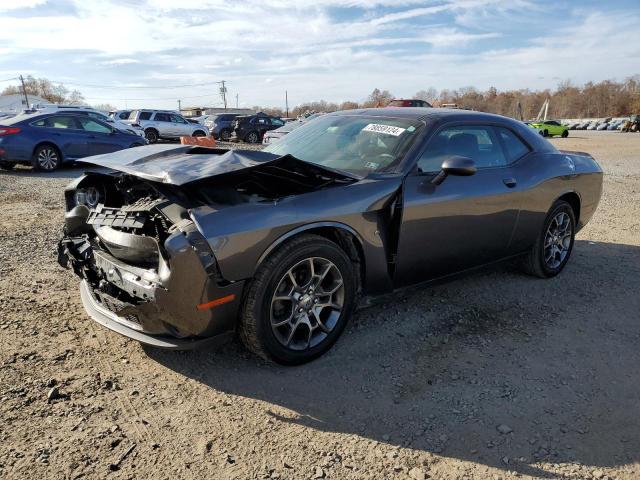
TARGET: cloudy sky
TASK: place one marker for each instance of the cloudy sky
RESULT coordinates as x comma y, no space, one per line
316,49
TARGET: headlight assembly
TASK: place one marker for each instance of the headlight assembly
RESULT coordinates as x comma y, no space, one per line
90,196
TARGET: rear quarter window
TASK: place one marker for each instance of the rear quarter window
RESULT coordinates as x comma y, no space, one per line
145,116
514,148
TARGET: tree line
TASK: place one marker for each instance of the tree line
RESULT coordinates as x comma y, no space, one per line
608,98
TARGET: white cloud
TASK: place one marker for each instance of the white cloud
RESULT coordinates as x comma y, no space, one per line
121,61
8,5
262,47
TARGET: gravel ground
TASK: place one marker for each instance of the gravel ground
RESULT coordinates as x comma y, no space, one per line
497,375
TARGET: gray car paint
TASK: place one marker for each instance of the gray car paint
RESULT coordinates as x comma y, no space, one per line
405,229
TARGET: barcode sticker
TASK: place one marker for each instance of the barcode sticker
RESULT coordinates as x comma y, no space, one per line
387,129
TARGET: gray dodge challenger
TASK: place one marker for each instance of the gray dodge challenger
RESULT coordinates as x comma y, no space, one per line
185,246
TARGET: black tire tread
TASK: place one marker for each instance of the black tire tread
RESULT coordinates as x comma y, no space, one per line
531,263
247,325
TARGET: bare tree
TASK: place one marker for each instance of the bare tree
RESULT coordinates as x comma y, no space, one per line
105,107
42,87
429,95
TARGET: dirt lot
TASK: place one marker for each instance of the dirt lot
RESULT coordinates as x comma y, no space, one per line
497,375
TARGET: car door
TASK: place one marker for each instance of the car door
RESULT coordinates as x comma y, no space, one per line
162,121
65,132
101,138
180,126
465,221
261,124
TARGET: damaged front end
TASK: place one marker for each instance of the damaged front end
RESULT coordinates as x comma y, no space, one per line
147,270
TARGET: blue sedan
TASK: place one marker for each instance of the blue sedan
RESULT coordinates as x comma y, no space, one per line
46,141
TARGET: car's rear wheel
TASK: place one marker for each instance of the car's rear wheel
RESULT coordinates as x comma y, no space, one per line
252,137
199,133
151,135
7,165
225,134
545,133
299,301
553,247
565,133
46,158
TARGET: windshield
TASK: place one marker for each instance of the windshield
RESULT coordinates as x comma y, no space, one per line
358,144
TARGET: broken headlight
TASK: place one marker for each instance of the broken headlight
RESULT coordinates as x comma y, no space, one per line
90,196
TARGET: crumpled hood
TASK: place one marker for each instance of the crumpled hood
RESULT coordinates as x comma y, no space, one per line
182,164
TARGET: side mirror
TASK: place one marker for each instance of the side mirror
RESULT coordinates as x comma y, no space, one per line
455,165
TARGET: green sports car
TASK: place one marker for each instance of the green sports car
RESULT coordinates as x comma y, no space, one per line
549,128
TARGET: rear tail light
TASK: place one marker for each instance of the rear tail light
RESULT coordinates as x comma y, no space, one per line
8,131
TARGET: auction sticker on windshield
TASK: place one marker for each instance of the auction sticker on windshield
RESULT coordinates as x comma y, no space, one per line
388,129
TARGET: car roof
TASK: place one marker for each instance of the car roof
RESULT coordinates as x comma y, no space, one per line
426,113
44,114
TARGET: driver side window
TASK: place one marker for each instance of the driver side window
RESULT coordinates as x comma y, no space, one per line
477,142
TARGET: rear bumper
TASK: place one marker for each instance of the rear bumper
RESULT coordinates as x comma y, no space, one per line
113,322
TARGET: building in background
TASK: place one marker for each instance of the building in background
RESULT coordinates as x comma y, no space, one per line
17,103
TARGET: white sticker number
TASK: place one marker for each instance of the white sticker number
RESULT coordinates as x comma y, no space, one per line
387,129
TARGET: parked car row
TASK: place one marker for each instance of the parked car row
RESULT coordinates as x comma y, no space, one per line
48,138
600,124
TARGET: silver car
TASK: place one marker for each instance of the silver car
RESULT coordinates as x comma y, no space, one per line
165,124
274,135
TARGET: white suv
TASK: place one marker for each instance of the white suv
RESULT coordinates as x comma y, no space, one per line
165,124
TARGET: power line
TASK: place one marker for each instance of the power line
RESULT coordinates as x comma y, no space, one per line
148,98
7,79
93,85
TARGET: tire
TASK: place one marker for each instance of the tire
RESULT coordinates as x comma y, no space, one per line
293,342
7,165
199,133
565,134
46,158
225,134
151,134
536,263
545,133
252,137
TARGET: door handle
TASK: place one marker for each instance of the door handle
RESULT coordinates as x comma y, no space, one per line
510,182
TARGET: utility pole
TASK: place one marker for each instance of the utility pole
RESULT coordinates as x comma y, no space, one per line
24,90
236,101
223,92
179,107
286,101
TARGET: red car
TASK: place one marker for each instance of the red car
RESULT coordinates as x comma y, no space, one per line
400,102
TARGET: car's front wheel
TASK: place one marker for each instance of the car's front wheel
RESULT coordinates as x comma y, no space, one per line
299,301
565,133
46,158
252,137
553,247
199,133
